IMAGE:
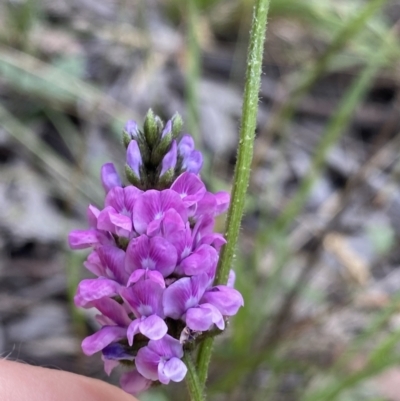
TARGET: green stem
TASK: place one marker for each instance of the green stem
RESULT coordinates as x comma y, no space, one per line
192,379
244,158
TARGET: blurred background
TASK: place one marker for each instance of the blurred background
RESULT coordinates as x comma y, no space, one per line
318,260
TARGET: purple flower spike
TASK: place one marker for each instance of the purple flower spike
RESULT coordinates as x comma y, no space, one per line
145,300
192,160
134,383
132,129
133,157
150,208
154,253
190,188
161,360
170,159
110,177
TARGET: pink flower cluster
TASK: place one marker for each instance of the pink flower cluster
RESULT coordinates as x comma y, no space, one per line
155,254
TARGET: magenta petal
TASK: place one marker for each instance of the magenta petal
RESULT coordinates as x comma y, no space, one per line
223,199
113,259
81,239
145,298
92,214
190,188
133,329
151,253
94,265
105,336
134,383
183,294
152,205
113,310
152,275
153,327
147,363
110,220
136,276
226,299
199,319
110,177
116,199
131,194
92,289
167,347
216,315
174,370
203,260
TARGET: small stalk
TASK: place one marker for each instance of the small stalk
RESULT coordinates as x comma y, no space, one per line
244,158
192,379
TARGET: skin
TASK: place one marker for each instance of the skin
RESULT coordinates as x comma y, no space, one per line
20,382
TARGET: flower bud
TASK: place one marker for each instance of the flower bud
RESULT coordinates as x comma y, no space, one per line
110,177
133,163
131,131
151,129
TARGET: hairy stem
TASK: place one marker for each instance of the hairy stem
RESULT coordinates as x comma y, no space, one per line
244,158
192,379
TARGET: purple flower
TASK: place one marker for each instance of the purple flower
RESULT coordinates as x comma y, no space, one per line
133,157
145,253
151,207
131,128
181,300
203,260
161,360
116,216
110,177
134,383
190,188
192,160
145,300
116,320
170,159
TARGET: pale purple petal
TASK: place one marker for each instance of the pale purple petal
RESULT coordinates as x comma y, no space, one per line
153,275
154,253
132,129
223,199
134,157
167,129
113,259
152,205
170,159
131,193
81,239
94,265
105,336
226,299
203,260
183,294
92,289
134,383
190,188
231,279
133,329
109,365
113,310
216,240
174,370
110,220
115,198
186,146
145,298
193,163
167,347
206,206
92,215
147,362
110,177
199,319
153,327
216,315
